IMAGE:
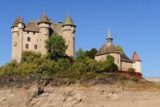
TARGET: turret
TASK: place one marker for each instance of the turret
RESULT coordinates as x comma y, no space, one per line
44,24
17,39
137,63
44,27
69,35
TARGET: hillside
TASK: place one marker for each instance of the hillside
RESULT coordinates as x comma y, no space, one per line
78,95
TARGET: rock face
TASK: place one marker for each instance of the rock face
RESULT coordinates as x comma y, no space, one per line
77,96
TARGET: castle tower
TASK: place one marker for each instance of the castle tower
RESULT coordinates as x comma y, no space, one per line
17,39
44,27
69,35
137,63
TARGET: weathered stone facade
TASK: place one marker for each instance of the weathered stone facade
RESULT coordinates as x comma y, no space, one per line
120,58
32,36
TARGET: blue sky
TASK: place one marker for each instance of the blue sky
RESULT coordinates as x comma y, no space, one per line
135,25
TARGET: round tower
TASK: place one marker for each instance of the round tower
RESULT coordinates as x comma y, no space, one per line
68,28
44,24
17,39
44,28
137,63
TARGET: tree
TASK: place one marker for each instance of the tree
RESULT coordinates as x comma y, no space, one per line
110,59
119,48
80,54
91,54
56,46
110,65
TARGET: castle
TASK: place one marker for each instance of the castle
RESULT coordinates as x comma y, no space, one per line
32,36
120,58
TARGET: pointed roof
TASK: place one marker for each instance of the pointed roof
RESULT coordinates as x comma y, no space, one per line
32,26
44,19
18,20
68,21
135,57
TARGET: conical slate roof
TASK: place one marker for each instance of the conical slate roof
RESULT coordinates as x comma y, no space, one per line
18,20
44,19
135,57
68,21
125,58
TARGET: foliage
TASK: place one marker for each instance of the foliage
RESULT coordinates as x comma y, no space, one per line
56,46
91,54
80,54
83,67
119,48
110,66
29,56
131,70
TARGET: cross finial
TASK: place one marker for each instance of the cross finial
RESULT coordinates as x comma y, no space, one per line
109,34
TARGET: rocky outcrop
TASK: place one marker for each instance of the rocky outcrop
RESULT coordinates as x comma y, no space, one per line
77,96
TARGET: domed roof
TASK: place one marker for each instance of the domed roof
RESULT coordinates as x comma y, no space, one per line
110,48
105,49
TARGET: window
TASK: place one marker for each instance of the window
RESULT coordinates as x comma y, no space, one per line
15,44
118,61
33,33
28,39
35,46
27,46
27,32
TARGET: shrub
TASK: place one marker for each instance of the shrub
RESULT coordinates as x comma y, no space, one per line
131,70
29,56
63,64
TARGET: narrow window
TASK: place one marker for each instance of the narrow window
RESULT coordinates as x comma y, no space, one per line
118,61
15,44
27,32
27,46
28,39
35,46
33,33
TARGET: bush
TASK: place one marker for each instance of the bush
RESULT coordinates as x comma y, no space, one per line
29,56
131,70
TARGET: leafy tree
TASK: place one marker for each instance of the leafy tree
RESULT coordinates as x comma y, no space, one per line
56,46
110,59
80,54
91,54
119,48
110,65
